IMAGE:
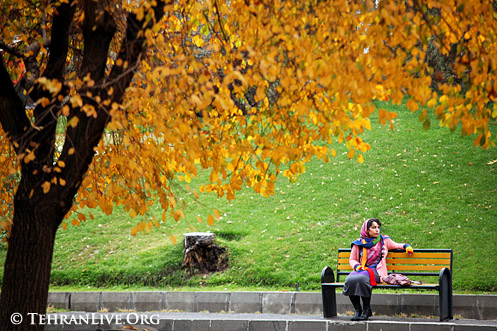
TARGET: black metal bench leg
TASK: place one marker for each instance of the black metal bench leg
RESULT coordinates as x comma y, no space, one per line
328,293
445,288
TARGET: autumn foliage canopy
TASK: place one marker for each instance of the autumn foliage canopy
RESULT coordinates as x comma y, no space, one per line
248,89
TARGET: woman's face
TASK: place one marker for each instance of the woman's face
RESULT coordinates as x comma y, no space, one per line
374,230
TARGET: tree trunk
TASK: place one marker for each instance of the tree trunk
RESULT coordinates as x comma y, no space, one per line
27,268
37,215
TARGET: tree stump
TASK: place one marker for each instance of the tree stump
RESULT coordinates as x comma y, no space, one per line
200,252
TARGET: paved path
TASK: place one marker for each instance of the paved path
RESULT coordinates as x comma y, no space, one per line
177,321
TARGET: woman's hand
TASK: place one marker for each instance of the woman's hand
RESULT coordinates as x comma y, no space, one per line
358,268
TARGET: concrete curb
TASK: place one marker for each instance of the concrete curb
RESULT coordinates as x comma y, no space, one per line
477,307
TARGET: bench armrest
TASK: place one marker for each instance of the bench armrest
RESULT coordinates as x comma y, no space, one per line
445,294
327,275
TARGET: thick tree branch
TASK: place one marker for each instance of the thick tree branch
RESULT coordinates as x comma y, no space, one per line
11,50
78,152
12,115
59,43
99,28
43,132
39,139
132,49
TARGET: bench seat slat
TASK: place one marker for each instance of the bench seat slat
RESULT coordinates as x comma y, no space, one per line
384,285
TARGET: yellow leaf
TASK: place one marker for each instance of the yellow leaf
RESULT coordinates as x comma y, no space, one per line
65,110
210,220
30,157
198,41
173,239
199,219
76,100
73,122
386,116
214,176
360,158
260,93
216,214
53,85
431,103
44,101
426,124
412,105
46,187
178,214
351,153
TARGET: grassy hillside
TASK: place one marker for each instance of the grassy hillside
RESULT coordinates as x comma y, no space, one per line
431,188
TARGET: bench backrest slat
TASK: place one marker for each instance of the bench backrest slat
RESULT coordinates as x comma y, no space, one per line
427,262
418,260
420,254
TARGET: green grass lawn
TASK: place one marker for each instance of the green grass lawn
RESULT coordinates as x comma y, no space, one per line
431,189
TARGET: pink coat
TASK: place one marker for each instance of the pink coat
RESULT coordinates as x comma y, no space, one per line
381,268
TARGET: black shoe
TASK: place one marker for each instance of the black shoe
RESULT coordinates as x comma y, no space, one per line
357,315
366,313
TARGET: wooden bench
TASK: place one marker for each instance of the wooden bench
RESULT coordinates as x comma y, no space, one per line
424,262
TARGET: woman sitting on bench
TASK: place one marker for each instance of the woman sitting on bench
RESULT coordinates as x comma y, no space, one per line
368,259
